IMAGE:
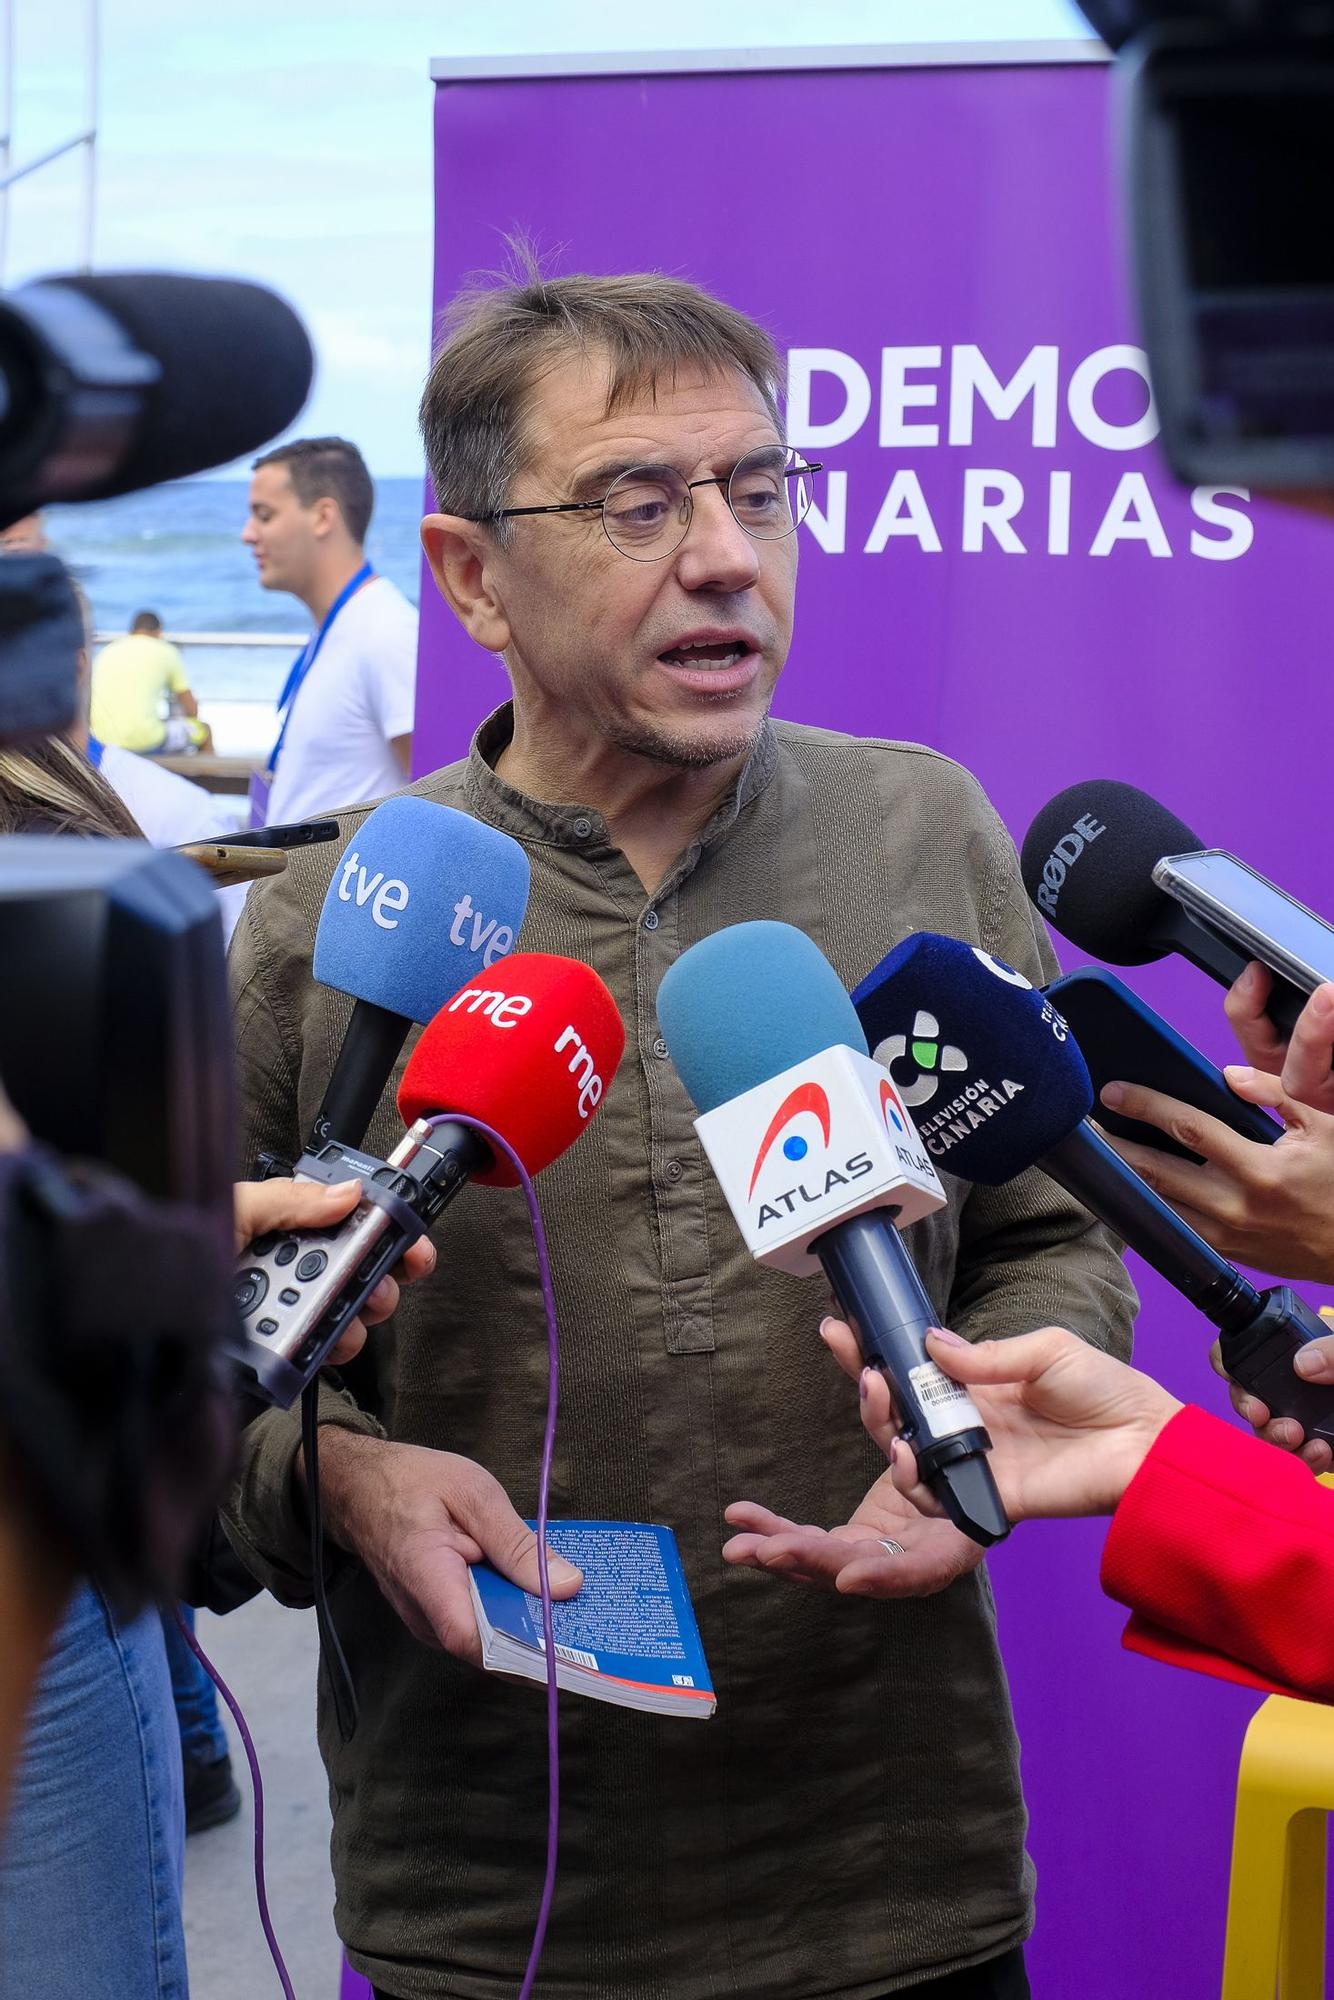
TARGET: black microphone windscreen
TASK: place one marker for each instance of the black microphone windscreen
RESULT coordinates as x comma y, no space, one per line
236,365
1088,862
981,1058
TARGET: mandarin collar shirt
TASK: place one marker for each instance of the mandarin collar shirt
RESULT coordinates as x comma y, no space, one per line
851,1819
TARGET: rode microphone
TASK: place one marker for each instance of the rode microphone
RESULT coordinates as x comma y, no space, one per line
1087,863
819,1162
113,381
997,1083
423,900
529,1049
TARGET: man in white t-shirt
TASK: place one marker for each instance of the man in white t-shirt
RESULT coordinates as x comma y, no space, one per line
345,733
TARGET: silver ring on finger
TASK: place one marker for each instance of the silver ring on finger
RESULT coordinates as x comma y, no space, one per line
893,1548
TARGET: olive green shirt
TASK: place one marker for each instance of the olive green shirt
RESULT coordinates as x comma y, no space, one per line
851,1820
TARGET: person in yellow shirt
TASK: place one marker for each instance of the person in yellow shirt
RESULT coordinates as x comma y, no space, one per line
130,678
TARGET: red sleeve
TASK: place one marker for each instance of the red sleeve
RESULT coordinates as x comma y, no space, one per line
1223,1548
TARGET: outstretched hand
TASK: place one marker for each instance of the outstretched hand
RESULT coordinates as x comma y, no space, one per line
923,1555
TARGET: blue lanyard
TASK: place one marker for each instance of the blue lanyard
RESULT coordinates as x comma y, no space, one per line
96,752
305,659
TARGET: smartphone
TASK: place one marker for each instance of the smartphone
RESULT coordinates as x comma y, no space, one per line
304,833
1120,1037
226,863
1227,896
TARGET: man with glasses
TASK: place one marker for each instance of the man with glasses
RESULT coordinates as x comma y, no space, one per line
617,525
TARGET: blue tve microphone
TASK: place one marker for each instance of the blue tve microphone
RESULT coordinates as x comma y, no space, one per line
817,1157
997,1084
422,901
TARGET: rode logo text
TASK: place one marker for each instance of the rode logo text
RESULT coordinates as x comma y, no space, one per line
1062,859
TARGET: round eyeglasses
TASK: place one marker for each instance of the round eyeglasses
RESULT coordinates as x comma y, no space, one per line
646,510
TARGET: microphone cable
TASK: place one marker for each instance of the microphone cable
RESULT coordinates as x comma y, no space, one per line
345,1700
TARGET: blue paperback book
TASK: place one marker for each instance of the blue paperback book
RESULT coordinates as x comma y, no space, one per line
629,1636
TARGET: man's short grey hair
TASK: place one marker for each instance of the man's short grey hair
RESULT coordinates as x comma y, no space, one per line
501,338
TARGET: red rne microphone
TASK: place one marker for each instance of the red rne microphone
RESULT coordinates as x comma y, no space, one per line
528,1048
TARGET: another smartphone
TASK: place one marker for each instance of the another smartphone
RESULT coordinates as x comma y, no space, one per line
304,833
1120,1037
1227,896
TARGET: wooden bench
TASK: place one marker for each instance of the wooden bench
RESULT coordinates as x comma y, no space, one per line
215,774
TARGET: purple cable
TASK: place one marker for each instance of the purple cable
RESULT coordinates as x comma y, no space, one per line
502,1145
543,1493
258,1783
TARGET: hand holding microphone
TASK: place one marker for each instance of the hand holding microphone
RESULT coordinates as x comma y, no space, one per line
1269,1206
1127,881
1069,1425
308,1207
988,1066
528,1051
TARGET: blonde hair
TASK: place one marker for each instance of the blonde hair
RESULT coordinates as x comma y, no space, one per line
47,787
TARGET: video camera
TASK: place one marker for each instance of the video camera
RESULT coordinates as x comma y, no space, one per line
116,1305
1227,140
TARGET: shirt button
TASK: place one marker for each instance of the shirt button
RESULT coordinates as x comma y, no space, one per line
650,920
673,1170
582,828
660,1049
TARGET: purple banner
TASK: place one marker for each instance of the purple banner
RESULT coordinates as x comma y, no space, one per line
1000,565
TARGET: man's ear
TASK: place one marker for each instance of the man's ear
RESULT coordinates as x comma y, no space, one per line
325,516
461,555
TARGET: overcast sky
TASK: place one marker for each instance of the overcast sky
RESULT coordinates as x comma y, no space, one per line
290,141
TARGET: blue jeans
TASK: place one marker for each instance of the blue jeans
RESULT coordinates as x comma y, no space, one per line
93,1855
203,1738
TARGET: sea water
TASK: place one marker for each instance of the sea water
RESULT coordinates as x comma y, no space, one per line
177,550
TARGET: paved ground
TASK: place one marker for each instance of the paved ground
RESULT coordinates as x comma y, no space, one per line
266,1655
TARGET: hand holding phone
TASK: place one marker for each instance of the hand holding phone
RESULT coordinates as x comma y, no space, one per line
1122,1039
1233,902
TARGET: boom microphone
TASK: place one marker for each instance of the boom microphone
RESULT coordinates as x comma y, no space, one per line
1088,862
818,1159
998,1085
119,380
423,900
529,1049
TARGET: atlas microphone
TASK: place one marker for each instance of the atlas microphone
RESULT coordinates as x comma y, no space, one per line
1127,881
423,900
997,1084
820,1165
529,1048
